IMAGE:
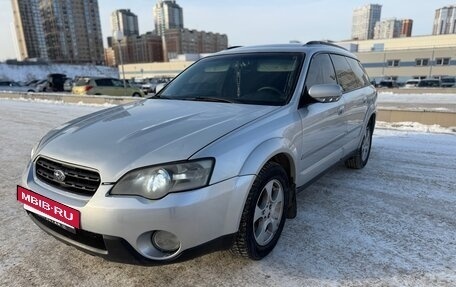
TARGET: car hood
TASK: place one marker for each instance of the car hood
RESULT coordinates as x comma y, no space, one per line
148,132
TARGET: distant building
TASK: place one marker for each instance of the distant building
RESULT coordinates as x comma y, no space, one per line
29,29
146,48
393,28
445,21
72,30
406,29
364,19
125,21
167,15
186,41
405,58
386,29
59,30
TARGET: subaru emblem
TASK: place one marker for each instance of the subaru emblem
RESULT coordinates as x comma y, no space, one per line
59,175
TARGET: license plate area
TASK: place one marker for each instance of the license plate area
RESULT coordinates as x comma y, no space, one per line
63,226
55,212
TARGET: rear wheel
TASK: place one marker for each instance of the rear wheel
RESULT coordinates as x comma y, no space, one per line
359,160
136,95
263,216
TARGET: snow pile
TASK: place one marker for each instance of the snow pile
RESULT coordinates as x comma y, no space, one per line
56,102
23,73
416,127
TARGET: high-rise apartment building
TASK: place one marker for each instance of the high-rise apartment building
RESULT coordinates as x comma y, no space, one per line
445,21
72,30
406,28
186,41
136,49
125,21
29,29
393,28
364,20
59,30
167,15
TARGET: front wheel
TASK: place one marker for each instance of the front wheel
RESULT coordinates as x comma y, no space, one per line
263,216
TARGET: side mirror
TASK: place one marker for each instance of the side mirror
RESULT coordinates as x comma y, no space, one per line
326,93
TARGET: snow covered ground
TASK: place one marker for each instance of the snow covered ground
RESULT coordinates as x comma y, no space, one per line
392,223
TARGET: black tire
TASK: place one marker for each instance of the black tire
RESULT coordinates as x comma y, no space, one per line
361,156
136,95
246,244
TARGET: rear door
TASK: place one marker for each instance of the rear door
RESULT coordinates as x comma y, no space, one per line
357,91
322,123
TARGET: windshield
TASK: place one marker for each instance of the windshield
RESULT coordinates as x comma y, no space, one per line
262,79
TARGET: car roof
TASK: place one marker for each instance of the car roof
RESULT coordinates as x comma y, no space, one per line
309,48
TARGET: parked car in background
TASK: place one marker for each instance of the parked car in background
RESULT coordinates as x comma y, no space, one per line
150,85
387,84
105,86
56,82
214,160
68,85
412,83
10,86
447,82
42,86
429,83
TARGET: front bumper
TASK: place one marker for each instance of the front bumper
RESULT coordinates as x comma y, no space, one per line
124,224
119,250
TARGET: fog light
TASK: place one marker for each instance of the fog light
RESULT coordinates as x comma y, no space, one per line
165,241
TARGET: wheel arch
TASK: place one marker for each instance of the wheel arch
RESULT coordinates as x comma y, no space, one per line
283,152
278,150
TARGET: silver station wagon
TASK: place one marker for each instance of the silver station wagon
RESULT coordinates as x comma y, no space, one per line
212,162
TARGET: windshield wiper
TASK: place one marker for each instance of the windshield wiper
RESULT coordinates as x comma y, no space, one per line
207,99
161,97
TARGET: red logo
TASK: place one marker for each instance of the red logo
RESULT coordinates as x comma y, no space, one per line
49,207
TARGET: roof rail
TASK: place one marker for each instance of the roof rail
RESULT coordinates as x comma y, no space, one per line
233,47
324,43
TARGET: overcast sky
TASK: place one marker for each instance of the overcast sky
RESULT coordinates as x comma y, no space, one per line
252,22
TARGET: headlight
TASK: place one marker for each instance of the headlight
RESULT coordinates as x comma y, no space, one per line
156,182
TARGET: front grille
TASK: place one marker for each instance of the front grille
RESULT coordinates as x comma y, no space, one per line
77,180
91,239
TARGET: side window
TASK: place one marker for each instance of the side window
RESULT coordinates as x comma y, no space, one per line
321,71
345,75
104,82
359,71
117,83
